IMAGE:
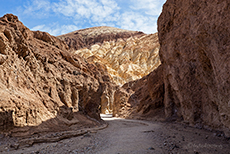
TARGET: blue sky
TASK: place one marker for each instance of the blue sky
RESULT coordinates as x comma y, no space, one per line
62,16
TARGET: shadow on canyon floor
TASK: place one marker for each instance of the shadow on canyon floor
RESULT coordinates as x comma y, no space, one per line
119,136
65,125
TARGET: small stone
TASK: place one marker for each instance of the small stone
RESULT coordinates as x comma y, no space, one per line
175,146
15,146
151,148
93,131
206,137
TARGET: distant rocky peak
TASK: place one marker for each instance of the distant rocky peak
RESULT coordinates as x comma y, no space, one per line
96,35
127,55
10,18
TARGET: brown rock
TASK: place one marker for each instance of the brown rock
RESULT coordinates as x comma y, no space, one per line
43,84
127,55
90,36
120,105
194,38
107,99
142,98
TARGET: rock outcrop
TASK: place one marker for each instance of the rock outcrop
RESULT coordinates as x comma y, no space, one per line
43,84
194,38
141,99
127,55
96,35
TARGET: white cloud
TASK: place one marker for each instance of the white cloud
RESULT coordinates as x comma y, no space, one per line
139,22
38,8
55,29
39,27
93,10
138,15
150,7
64,7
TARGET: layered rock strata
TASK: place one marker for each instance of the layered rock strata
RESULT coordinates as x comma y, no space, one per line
42,83
194,38
127,55
96,35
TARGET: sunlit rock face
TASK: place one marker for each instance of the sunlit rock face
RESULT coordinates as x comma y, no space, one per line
90,36
127,55
41,80
194,38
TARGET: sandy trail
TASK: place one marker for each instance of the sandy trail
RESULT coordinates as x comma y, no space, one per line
137,137
126,136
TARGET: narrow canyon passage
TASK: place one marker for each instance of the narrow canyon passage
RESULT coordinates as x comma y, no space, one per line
124,136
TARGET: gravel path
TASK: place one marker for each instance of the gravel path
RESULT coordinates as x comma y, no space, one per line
137,137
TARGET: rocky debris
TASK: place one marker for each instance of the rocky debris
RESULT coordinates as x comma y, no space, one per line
194,38
127,55
43,86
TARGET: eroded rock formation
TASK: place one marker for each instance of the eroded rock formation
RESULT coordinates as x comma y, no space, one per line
96,35
194,38
192,83
142,99
127,55
41,83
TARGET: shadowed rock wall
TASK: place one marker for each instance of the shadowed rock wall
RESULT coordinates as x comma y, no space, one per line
195,54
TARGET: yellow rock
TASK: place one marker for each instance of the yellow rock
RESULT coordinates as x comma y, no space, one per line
126,59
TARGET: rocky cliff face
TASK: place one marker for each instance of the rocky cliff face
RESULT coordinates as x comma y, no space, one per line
194,38
127,55
40,81
142,98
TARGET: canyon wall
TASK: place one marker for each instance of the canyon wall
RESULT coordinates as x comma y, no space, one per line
127,55
194,38
41,80
142,98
